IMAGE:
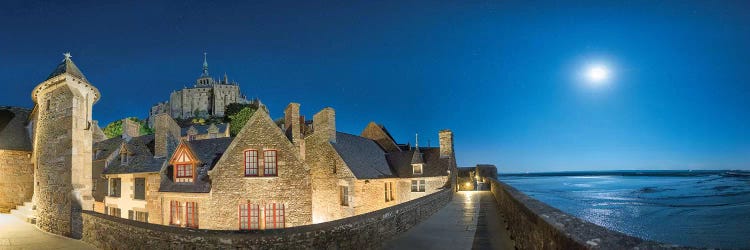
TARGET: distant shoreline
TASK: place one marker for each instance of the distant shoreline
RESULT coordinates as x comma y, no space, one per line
664,173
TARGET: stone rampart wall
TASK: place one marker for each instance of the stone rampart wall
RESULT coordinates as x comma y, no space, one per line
16,179
365,231
536,225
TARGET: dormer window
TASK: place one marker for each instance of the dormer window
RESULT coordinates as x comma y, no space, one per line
416,169
185,164
184,173
124,158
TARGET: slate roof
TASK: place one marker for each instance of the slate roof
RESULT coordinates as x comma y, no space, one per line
209,152
13,133
203,129
141,157
433,164
105,148
363,156
67,66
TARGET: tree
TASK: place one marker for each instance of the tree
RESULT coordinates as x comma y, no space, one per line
238,120
114,129
234,108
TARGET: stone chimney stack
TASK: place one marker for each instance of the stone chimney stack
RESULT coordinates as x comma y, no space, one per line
446,143
166,135
130,129
292,123
324,124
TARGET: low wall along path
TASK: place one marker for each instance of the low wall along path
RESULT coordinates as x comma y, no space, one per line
536,225
367,231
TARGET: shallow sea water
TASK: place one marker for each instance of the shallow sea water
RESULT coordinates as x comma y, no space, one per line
705,209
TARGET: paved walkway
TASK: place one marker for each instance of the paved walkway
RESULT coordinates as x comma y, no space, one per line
16,234
470,221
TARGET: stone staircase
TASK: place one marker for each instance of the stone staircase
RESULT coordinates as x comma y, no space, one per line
26,213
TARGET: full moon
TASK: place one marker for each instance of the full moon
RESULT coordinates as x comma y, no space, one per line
597,74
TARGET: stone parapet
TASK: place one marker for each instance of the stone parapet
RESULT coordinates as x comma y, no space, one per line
366,231
536,225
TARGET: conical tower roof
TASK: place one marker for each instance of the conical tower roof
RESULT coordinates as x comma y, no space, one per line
67,66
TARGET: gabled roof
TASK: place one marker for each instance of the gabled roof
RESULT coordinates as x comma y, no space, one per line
208,152
140,151
13,133
67,66
433,164
203,129
363,156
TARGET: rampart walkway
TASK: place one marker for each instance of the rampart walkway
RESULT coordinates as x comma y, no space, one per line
17,234
470,221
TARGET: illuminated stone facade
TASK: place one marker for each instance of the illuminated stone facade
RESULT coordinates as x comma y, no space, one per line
207,97
62,149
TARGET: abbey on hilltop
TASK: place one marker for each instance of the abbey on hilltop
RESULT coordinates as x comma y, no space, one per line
208,97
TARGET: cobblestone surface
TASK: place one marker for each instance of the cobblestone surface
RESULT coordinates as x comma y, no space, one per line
16,234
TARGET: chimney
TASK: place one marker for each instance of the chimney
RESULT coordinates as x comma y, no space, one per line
324,123
446,143
166,135
130,129
291,123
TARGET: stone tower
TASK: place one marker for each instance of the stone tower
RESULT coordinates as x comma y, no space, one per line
62,149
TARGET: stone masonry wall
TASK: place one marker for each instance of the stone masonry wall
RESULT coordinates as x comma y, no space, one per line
16,180
367,231
536,225
230,188
53,173
328,173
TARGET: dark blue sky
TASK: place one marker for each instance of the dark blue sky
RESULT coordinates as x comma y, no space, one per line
502,75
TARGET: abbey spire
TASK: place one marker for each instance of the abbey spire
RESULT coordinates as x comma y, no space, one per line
205,65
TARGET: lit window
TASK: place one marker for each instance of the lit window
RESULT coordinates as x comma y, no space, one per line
176,210
141,216
417,186
417,168
274,216
251,163
191,214
116,212
269,163
249,216
344,196
389,191
184,173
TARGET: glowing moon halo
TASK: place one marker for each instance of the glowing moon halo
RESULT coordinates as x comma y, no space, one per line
597,74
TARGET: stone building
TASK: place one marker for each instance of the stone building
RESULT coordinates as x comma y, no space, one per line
268,176
201,132
207,97
16,168
62,120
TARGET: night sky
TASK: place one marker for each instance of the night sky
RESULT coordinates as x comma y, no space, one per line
504,76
